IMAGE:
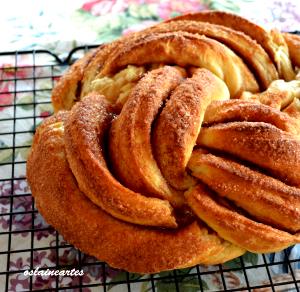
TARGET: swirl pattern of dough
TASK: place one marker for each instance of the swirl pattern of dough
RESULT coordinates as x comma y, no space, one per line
175,146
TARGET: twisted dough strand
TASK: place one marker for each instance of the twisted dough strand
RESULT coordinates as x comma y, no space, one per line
185,49
85,126
179,124
238,110
236,228
273,43
243,45
130,133
260,143
265,198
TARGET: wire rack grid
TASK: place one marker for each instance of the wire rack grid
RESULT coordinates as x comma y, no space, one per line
28,242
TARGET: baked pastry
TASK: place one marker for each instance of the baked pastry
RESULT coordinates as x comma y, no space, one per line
175,146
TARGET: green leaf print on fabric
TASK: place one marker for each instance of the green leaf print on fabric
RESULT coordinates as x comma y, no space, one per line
122,277
185,283
6,155
143,11
226,5
44,108
188,284
24,153
25,99
25,102
233,264
248,258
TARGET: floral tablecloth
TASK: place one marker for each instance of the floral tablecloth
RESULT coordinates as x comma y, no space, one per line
56,27
59,27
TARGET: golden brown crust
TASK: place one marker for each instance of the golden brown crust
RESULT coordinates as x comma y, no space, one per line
238,110
145,101
230,20
185,49
95,65
236,228
179,124
87,124
252,43
293,42
273,42
67,90
293,109
130,136
260,143
265,198
240,43
122,245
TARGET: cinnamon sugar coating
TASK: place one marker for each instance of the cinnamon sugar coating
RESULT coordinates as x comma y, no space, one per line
175,146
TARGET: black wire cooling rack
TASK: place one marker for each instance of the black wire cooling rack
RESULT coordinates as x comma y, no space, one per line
27,242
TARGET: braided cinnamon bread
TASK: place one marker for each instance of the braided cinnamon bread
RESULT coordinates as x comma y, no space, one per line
175,146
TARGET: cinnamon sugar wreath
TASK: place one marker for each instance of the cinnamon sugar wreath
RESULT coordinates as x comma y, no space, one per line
175,146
